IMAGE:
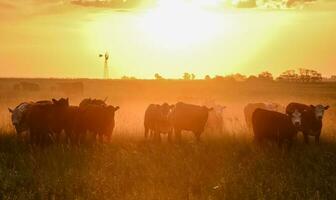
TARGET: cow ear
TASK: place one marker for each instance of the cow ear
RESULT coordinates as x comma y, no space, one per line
54,100
116,108
10,110
327,107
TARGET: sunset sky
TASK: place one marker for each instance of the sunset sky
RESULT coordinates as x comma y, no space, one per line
52,38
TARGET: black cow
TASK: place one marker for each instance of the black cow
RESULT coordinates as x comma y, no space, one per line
189,117
96,119
312,117
275,126
89,101
156,121
45,120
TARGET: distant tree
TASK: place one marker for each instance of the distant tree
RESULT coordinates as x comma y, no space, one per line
308,75
186,76
304,75
289,75
252,78
332,78
315,76
158,77
239,77
193,76
207,77
128,78
267,76
219,78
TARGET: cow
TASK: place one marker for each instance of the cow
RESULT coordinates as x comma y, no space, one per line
89,101
251,107
27,86
18,115
45,120
275,126
72,88
97,119
189,117
312,117
156,121
215,122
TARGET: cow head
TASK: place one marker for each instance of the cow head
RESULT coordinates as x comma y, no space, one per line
165,108
273,106
208,109
218,109
319,111
17,116
62,102
296,118
113,109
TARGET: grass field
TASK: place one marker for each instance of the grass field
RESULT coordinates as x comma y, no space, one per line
226,166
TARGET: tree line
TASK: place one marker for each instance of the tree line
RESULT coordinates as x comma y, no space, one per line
301,75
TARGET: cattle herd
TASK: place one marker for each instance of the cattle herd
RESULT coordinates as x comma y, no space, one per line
93,119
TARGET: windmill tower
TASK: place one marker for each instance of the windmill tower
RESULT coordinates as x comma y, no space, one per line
106,70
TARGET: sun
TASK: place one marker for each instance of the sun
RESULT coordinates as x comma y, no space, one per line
177,24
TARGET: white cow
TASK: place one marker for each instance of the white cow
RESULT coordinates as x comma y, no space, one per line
18,116
215,121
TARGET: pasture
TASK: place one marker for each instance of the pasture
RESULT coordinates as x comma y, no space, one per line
222,166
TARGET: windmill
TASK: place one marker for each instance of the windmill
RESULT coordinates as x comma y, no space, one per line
106,70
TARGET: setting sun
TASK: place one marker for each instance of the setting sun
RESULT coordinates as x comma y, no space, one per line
178,25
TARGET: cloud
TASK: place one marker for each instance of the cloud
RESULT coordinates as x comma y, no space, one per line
23,8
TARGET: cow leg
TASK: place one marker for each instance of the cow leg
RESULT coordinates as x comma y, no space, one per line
157,136
198,136
152,135
317,138
108,137
146,132
32,136
280,142
170,135
178,135
58,137
306,138
101,137
290,144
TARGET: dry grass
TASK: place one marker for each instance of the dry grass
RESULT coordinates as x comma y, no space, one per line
228,166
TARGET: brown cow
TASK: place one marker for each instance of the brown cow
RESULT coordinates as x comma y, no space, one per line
96,119
251,107
189,117
275,126
156,121
45,120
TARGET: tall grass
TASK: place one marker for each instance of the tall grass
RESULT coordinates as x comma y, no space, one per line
223,168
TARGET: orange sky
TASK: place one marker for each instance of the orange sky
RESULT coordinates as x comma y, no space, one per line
55,39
